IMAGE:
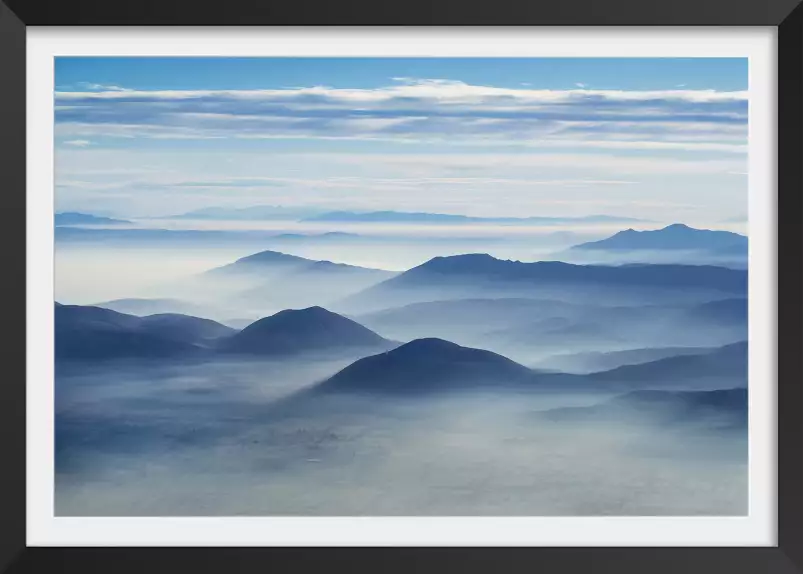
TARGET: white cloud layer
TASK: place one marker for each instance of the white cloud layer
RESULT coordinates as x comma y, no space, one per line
412,110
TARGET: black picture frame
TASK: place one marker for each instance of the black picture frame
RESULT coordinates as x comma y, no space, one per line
787,15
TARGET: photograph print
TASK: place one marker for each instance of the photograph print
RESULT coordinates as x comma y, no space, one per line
401,286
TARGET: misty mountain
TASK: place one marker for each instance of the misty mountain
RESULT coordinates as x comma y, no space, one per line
722,312
427,365
75,218
314,238
483,276
531,330
94,333
294,331
268,262
552,333
461,317
725,365
172,326
160,237
260,263
271,280
673,237
253,213
185,327
595,361
443,218
144,306
721,409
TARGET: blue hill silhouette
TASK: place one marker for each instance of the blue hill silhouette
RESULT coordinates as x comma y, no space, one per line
300,330
728,362
427,365
673,237
484,269
94,333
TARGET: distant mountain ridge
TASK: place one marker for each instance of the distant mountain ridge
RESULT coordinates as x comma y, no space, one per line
273,259
673,237
271,281
75,218
724,363
423,217
252,213
484,276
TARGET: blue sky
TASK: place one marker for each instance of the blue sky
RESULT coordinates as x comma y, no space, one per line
728,74
150,136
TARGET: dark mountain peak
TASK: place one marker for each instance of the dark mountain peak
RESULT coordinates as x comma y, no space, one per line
679,227
315,312
460,263
429,345
466,257
272,257
296,330
429,364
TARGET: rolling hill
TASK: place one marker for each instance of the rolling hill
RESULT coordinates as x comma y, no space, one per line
294,331
723,365
428,365
94,333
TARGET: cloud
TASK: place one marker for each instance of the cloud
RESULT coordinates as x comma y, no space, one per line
101,87
413,110
78,143
579,85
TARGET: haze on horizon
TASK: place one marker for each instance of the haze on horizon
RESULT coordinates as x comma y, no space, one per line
657,139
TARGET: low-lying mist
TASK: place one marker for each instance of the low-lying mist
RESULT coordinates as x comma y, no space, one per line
249,438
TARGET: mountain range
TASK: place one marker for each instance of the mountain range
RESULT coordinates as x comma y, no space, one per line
74,218
673,237
421,365
252,213
444,218
596,361
270,279
484,276
727,363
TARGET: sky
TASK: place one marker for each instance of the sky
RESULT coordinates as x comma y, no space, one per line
636,137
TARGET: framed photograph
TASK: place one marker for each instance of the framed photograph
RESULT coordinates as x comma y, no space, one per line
405,287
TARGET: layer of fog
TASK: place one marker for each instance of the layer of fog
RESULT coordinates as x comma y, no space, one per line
93,270
233,439
531,330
